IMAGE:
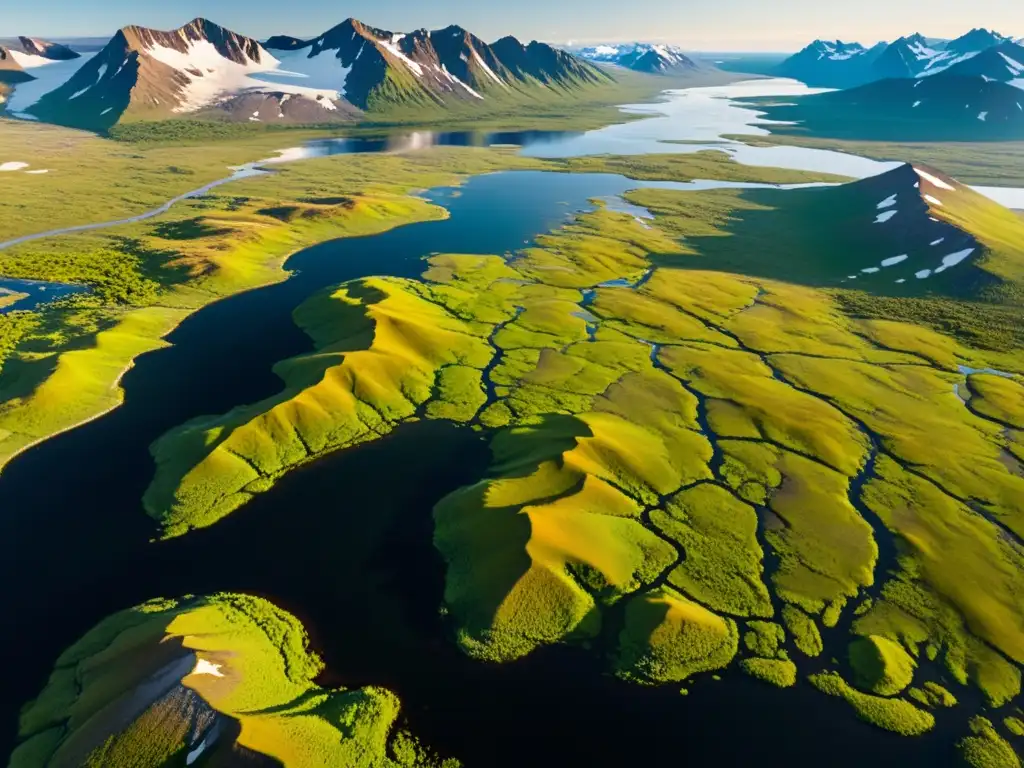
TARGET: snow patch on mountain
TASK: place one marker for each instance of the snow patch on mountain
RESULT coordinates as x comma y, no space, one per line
211,76
323,73
391,46
479,60
47,78
30,60
934,180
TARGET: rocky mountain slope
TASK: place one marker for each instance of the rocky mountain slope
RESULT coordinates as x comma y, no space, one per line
1003,63
204,70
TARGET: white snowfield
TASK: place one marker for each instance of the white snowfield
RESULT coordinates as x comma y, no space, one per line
30,60
953,259
891,262
204,667
933,180
212,77
296,70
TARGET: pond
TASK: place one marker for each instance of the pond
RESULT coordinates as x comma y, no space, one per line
30,294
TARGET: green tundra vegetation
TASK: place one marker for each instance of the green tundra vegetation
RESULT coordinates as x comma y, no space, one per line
706,448
61,365
986,748
225,675
694,464
880,665
895,715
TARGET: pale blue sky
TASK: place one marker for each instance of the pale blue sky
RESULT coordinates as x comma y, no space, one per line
746,25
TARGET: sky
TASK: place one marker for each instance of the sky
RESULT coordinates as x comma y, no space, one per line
700,25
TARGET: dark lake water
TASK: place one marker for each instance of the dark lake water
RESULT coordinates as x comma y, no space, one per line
345,542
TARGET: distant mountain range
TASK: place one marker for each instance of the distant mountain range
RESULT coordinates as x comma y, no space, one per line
204,70
642,57
835,64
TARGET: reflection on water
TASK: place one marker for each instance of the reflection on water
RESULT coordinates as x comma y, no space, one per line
407,142
698,117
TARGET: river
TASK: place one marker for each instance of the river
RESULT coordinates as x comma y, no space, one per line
349,550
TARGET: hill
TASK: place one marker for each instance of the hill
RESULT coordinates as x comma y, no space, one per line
910,232
946,107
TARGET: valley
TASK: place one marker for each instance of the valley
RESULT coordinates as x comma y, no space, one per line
508,435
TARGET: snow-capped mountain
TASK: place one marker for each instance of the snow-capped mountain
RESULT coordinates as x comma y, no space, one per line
1003,63
844,65
831,63
642,57
203,69
372,67
20,55
905,57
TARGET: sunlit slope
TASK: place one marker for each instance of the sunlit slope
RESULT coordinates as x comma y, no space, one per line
698,467
378,347
227,678
908,232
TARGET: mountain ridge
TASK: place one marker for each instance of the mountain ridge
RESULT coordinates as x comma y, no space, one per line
209,71
835,64
642,57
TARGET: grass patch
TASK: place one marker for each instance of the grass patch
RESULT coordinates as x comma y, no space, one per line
780,673
262,678
985,748
894,715
880,666
667,638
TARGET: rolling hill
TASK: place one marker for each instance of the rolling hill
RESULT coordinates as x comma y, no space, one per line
946,107
203,70
909,232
